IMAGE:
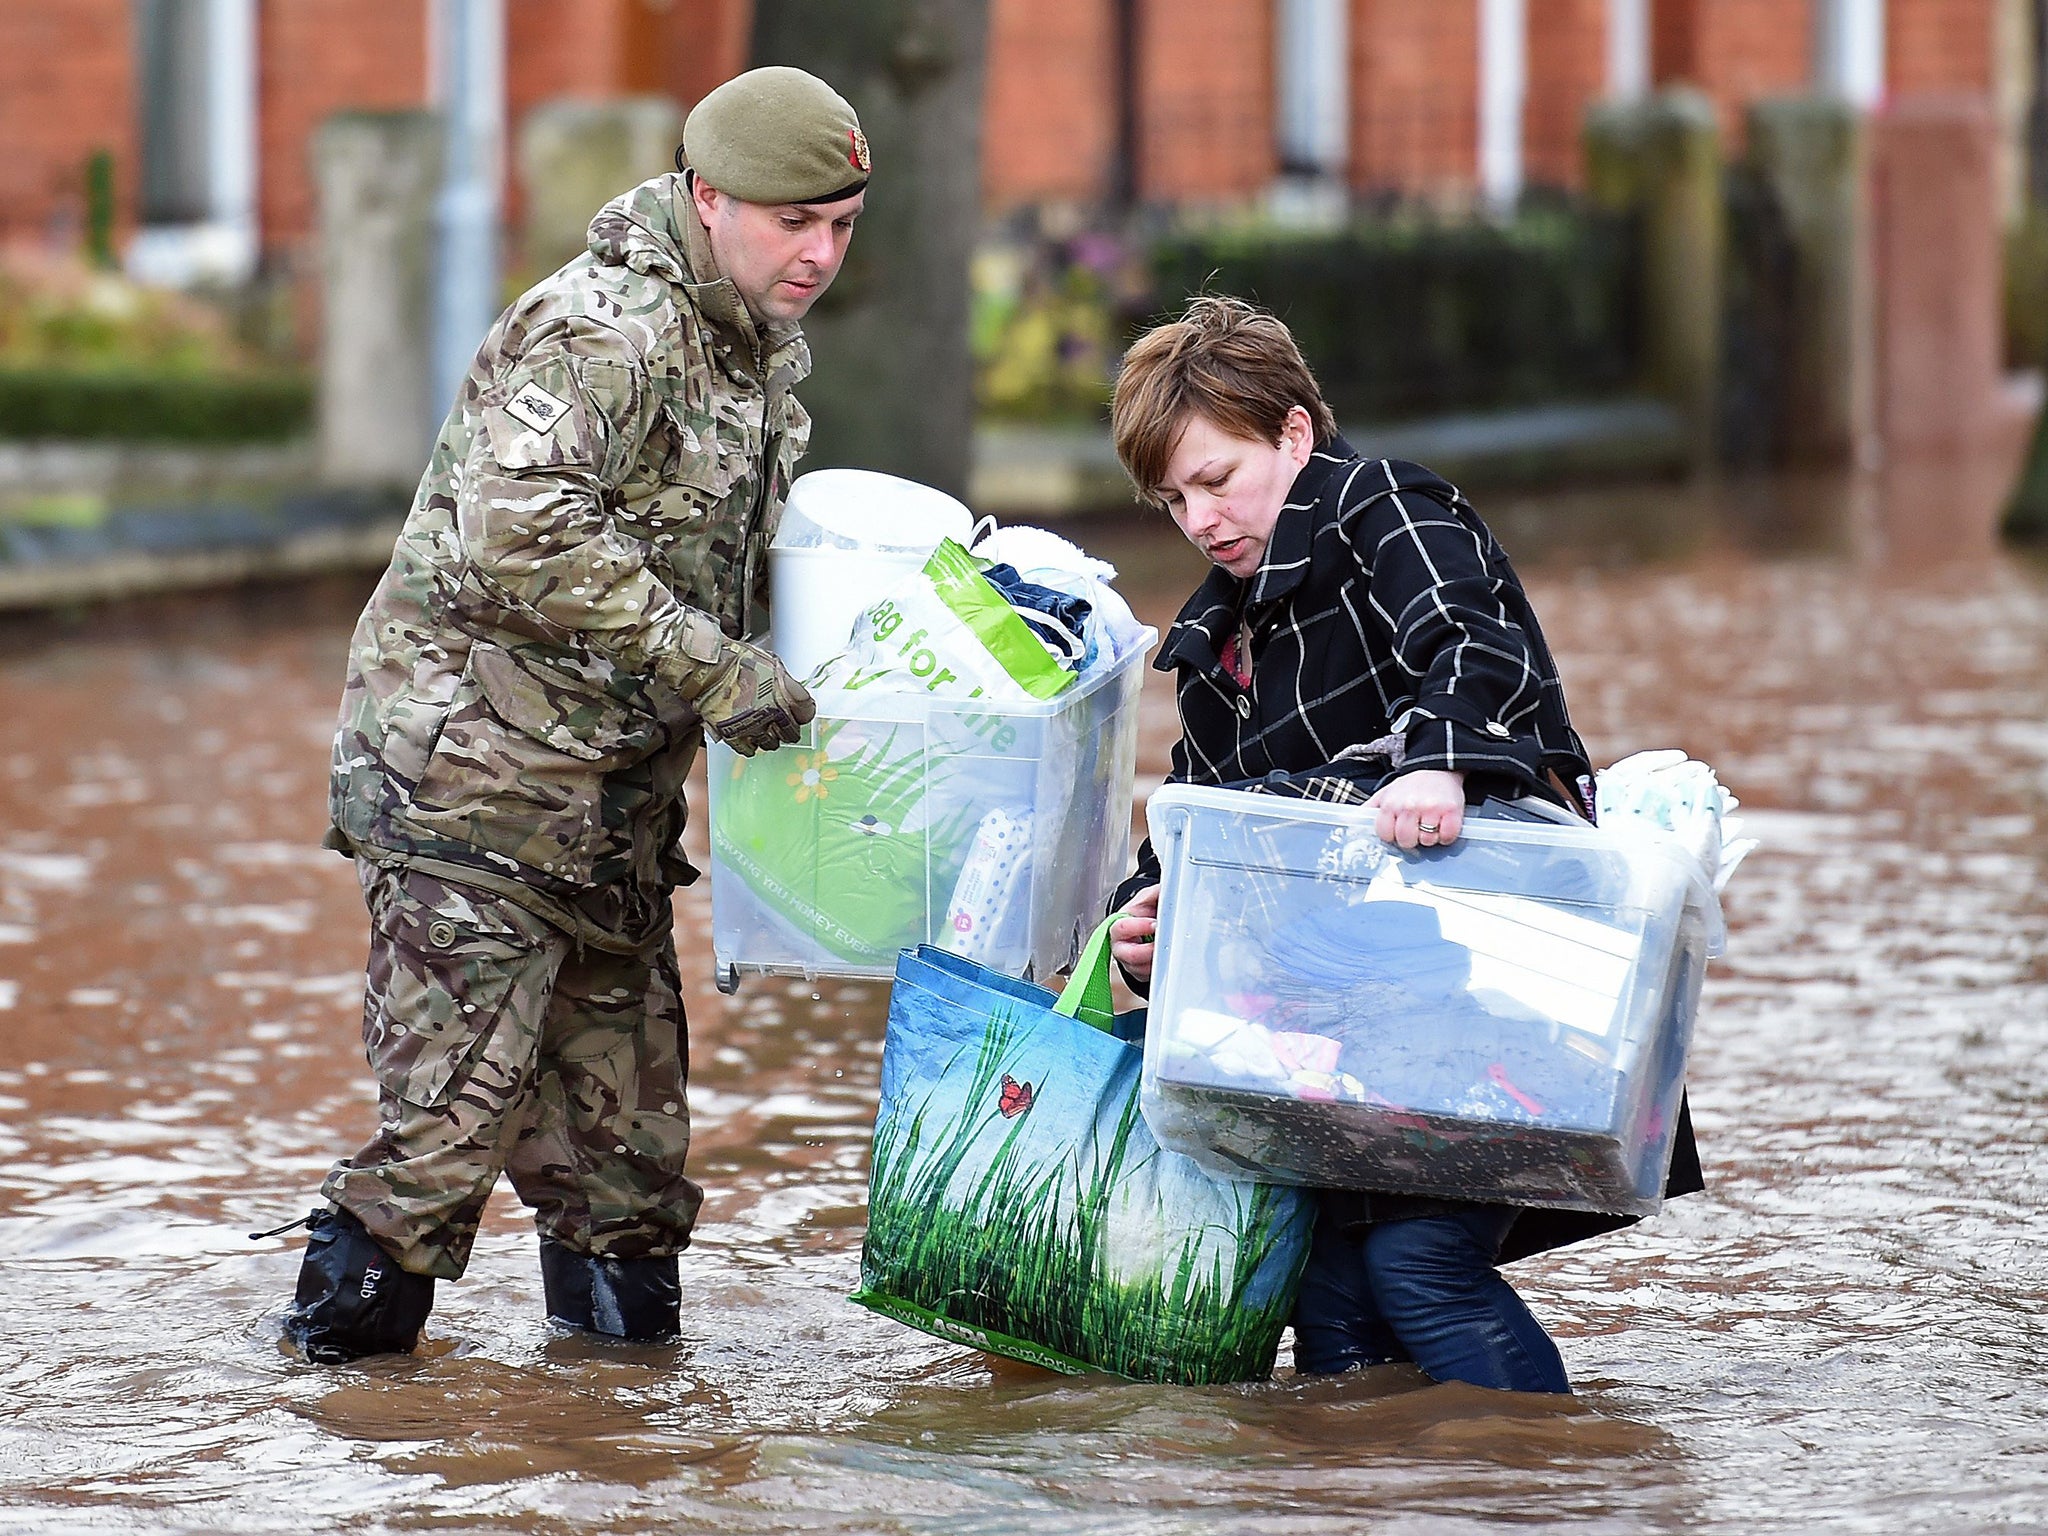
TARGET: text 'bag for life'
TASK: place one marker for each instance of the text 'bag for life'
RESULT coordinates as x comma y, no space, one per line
1019,1204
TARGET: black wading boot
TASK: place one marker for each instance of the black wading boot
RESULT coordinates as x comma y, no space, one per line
636,1299
353,1299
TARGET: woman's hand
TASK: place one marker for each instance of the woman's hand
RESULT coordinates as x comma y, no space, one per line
1130,936
1423,809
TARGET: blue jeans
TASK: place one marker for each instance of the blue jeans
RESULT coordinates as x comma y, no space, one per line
1422,1289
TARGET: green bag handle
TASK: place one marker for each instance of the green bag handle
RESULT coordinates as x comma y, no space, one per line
1087,996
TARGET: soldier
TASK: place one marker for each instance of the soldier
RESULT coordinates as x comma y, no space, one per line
564,612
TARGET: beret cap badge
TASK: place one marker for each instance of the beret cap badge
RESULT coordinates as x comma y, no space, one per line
858,157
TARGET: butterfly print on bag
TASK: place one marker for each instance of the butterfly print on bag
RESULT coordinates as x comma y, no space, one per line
1015,1097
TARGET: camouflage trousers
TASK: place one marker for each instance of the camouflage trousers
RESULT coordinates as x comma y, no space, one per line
500,1045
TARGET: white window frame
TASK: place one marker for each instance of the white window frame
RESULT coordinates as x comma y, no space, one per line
1848,50
1503,92
1628,49
1312,88
223,246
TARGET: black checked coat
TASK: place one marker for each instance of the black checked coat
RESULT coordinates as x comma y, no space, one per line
1384,616
1383,606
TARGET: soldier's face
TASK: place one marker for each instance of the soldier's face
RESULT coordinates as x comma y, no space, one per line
780,256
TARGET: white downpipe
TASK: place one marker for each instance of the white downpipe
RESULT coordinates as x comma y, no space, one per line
1503,81
1628,49
231,129
1848,52
468,53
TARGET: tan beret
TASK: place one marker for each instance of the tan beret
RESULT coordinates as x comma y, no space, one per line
777,135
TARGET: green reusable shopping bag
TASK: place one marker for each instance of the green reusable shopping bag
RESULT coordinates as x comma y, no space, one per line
1018,1203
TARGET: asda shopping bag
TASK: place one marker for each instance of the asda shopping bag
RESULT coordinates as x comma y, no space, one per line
1018,1203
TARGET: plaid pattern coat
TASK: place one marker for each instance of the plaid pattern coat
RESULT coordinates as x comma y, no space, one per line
1383,607
1386,632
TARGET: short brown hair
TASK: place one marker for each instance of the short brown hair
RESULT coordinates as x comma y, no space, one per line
1224,359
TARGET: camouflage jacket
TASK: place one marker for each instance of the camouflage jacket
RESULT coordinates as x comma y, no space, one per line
590,531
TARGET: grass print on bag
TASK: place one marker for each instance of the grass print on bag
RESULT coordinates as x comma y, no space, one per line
1020,1205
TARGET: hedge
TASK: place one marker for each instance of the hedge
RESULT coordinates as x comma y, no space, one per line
1411,315
153,406
2026,288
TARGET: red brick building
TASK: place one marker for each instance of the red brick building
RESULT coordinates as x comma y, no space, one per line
207,106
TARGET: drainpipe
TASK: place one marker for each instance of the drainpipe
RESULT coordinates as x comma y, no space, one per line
1123,46
468,59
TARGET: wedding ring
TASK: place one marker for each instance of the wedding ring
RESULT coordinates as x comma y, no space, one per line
1426,826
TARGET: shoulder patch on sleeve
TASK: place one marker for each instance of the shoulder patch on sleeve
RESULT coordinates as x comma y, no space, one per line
541,418
535,407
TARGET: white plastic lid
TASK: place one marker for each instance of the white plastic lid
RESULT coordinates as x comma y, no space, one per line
865,509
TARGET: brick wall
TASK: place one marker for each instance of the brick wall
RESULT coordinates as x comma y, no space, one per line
1204,82
1050,126
696,44
1205,100
1204,79
561,48
1939,45
1675,28
597,48
1415,95
322,56
1567,73
316,58
67,89
1734,50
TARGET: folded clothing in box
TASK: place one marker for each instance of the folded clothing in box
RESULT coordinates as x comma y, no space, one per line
1502,1019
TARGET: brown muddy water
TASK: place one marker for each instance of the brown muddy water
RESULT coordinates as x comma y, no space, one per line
1845,1333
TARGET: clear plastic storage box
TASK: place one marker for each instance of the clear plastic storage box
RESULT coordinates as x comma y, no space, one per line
997,832
1504,1019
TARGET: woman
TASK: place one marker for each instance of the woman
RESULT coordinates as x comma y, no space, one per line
1362,638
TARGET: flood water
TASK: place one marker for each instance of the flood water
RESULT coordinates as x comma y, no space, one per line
1845,1333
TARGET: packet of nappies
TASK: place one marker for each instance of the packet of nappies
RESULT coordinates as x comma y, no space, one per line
997,871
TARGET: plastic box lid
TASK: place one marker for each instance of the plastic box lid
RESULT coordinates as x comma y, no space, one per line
1501,850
